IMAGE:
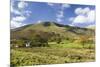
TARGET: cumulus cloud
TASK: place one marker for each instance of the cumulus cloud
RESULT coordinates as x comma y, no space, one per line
80,19
84,16
21,8
91,16
22,5
13,10
15,24
79,11
20,12
17,21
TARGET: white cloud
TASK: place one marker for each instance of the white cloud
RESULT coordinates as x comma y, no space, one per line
60,10
21,11
22,5
13,10
27,13
21,8
15,24
83,16
60,14
50,4
79,11
65,5
39,21
19,18
59,19
91,16
17,21
80,19
86,10
71,19
16,12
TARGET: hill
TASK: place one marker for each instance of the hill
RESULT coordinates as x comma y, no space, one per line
91,27
51,43
51,32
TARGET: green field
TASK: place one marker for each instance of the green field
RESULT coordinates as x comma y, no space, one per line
47,55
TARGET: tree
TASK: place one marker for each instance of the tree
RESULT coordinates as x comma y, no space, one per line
40,39
17,43
58,38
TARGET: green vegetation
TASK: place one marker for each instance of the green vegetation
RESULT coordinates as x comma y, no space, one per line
46,55
51,43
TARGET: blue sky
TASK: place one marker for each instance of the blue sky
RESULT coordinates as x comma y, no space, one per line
25,12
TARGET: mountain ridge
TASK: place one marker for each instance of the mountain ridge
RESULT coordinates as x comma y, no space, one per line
52,27
45,23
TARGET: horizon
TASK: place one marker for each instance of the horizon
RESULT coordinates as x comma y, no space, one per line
25,12
89,27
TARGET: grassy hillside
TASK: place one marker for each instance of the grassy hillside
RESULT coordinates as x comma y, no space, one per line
51,43
64,30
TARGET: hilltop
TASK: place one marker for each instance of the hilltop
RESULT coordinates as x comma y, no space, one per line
51,32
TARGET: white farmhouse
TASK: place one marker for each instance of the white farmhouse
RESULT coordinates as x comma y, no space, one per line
28,44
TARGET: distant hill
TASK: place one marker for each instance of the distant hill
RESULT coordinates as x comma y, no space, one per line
63,30
91,27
